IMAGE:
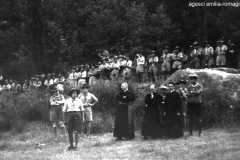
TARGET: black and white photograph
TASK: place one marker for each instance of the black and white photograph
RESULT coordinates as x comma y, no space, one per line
119,79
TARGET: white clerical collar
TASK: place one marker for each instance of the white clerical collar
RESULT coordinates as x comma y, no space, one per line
172,91
195,84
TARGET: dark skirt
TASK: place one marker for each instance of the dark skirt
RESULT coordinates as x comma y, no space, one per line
151,123
175,130
122,127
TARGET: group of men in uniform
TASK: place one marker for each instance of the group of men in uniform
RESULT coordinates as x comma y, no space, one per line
10,85
37,82
111,68
165,113
73,113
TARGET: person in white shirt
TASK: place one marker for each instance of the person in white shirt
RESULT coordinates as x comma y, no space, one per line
207,54
49,81
61,82
82,79
153,67
115,69
88,100
140,66
73,79
195,56
177,58
221,54
73,115
56,102
127,69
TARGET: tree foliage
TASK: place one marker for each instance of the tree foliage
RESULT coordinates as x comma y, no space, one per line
52,32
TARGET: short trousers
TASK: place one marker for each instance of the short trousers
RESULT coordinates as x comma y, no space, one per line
88,116
55,113
140,68
153,69
166,66
74,121
221,60
177,65
207,63
194,109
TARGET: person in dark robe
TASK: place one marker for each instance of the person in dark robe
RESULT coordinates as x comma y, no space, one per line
124,127
151,126
172,109
164,120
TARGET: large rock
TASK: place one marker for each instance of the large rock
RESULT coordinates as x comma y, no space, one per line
222,84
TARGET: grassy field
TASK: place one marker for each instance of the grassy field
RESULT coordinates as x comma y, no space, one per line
214,144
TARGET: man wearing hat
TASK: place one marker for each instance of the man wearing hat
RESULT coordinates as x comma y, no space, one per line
182,91
231,56
56,103
207,56
60,84
73,78
127,69
140,66
195,56
88,100
115,69
17,88
26,86
11,85
177,59
221,53
194,101
38,83
166,63
153,67
73,116
32,82
49,81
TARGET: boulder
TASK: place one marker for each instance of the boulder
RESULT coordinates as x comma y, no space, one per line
223,81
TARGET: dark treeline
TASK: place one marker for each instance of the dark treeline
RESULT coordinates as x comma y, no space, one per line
47,35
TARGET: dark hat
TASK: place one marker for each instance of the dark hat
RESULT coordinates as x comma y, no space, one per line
72,90
206,42
181,81
196,44
220,41
84,86
193,75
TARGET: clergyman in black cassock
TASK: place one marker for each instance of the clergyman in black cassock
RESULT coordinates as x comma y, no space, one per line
151,126
173,110
124,127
